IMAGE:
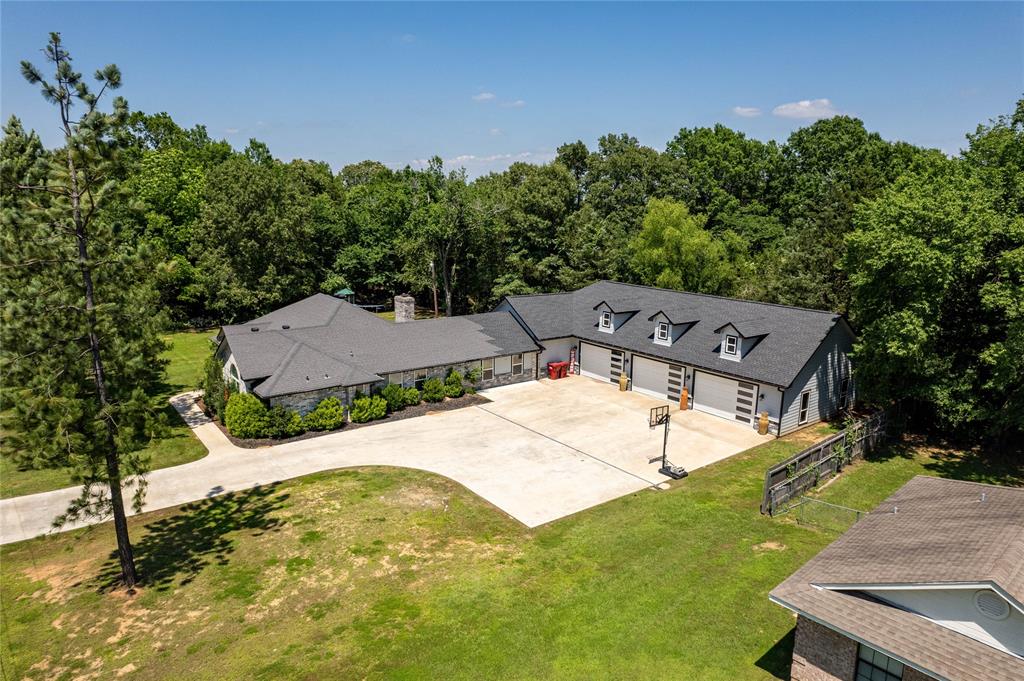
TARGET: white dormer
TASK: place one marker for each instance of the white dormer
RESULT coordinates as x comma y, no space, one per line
663,333
669,326
613,314
734,344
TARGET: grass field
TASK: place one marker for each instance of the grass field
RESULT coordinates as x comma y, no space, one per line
187,353
391,573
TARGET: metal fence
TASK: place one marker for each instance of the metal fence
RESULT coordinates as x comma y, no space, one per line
821,514
790,478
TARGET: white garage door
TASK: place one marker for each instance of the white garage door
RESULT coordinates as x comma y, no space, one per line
650,377
595,361
724,397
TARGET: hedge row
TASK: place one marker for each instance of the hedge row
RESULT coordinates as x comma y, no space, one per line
245,415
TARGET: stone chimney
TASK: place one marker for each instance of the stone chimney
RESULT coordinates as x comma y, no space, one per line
405,308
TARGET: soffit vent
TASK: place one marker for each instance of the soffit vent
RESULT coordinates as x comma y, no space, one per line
991,605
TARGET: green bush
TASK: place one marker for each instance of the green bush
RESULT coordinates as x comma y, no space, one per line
453,385
433,390
412,397
473,376
369,409
284,422
246,416
394,395
215,388
328,415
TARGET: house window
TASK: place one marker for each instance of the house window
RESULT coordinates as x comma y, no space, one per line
487,371
730,345
606,320
662,331
517,365
420,377
395,378
874,666
844,393
805,403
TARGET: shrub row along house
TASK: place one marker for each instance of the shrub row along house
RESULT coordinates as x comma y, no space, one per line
734,358
929,585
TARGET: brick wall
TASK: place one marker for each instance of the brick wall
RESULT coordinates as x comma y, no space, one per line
820,654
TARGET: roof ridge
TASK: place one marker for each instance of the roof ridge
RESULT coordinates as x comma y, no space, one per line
283,364
710,295
973,483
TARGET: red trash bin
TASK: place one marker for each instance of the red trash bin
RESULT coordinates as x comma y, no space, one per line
553,370
563,369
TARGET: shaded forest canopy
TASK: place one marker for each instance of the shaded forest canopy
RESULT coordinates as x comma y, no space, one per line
923,253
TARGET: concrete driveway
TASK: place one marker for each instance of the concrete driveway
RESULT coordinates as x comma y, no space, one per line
539,451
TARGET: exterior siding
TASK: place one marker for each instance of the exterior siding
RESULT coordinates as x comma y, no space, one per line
305,402
821,377
820,654
555,350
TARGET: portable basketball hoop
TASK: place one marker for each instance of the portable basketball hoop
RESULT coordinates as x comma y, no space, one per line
660,417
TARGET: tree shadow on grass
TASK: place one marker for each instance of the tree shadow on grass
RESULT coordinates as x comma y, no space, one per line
175,549
777,659
957,462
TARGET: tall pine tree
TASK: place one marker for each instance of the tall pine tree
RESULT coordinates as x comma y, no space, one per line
80,323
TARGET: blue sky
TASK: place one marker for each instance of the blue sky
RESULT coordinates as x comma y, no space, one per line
482,85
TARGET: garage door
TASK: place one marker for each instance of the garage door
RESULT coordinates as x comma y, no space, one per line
650,377
724,397
595,361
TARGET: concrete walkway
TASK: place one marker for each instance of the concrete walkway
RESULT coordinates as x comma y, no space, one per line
539,451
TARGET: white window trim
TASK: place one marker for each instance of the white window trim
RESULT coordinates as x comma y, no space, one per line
735,345
606,320
803,412
487,369
844,392
517,361
662,331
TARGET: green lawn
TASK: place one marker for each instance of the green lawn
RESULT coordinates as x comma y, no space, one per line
187,353
391,573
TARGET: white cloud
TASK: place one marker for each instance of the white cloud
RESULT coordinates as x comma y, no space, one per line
514,104
806,108
484,97
407,38
746,111
496,132
231,131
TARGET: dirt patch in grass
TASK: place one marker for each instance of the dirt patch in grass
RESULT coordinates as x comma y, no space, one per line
769,546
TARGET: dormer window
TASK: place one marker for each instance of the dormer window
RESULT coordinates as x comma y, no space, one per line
606,320
731,343
662,331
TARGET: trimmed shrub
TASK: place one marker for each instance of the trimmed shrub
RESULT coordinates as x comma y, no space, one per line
328,415
394,395
433,390
284,422
412,397
215,389
246,416
453,385
369,409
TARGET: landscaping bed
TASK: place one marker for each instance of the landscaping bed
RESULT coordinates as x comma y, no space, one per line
421,409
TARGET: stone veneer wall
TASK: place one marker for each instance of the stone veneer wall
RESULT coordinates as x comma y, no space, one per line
305,402
820,654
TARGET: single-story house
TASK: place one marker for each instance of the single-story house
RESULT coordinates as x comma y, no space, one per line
324,346
929,585
736,359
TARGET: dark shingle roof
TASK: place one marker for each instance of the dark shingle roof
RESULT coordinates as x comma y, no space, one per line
326,335
791,335
942,532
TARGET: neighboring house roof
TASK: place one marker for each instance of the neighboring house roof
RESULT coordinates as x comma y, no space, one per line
324,342
934,532
790,334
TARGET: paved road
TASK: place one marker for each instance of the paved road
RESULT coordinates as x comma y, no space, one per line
539,451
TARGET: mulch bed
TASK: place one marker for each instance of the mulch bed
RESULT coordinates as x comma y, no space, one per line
421,409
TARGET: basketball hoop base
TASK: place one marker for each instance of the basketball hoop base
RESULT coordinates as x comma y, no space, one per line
674,472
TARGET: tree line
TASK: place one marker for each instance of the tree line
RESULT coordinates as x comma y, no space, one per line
923,253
